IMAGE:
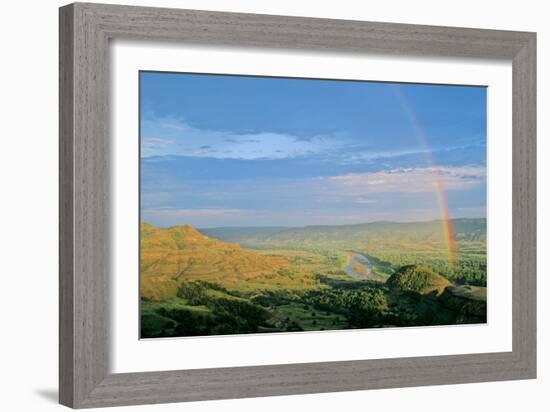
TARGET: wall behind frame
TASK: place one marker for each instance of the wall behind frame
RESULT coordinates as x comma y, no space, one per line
29,193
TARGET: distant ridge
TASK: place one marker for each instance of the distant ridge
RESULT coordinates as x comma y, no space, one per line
464,229
374,223
229,233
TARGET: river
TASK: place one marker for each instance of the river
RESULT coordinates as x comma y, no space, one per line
358,266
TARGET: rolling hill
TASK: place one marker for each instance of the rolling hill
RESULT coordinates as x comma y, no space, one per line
174,255
418,279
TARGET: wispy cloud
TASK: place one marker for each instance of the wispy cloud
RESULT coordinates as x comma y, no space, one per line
413,180
173,137
373,195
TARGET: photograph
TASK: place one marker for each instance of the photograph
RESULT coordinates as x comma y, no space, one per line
292,204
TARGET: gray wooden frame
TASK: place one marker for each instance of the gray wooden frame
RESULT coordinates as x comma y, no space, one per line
85,31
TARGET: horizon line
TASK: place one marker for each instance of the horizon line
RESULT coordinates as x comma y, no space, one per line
319,225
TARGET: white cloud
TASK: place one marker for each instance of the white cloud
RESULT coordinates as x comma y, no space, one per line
173,137
415,180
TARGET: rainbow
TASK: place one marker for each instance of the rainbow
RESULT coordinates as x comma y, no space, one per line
446,222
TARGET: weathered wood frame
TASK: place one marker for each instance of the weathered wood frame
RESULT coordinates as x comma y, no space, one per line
85,31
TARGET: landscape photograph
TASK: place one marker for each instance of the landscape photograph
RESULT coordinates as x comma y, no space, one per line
272,205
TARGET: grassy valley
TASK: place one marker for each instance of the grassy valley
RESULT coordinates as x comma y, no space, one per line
389,245
254,280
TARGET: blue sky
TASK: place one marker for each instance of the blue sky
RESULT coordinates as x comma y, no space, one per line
252,151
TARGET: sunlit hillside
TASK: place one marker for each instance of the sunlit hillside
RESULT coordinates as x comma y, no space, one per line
177,254
180,254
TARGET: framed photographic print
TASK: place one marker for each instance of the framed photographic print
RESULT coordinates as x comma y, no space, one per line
285,204
257,205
